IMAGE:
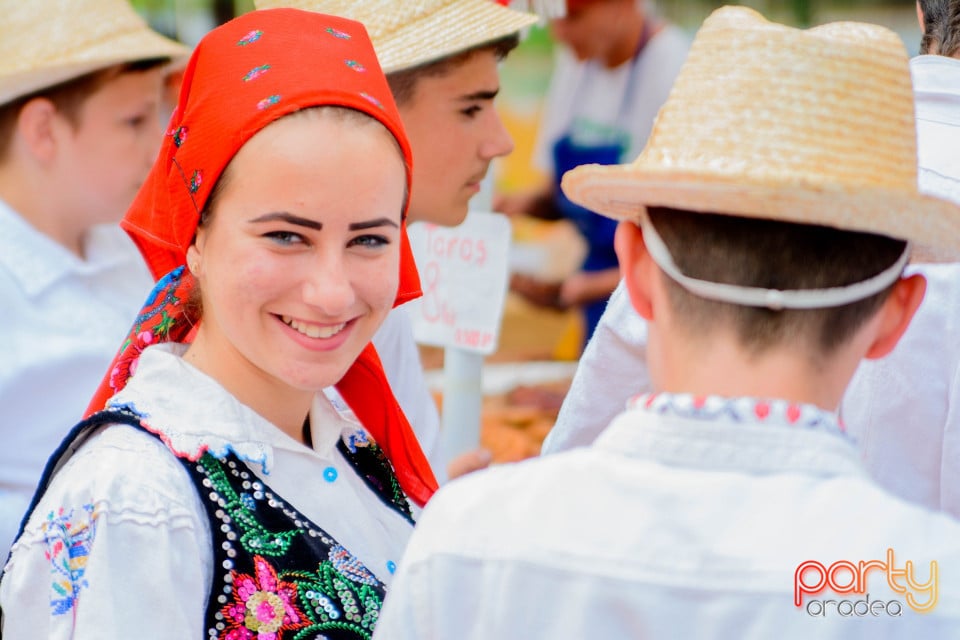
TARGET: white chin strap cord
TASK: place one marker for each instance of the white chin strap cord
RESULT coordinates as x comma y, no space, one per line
775,299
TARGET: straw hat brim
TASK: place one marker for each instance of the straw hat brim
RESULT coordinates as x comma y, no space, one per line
622,191
141,44
452,29
409,35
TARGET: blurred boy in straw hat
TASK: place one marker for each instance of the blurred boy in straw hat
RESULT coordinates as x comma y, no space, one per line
765,228
80,83
441,58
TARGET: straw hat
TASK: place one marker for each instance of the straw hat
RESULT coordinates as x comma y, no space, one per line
407,34
768,121
45,42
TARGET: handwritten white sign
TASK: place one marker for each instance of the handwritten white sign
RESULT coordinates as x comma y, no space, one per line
463,272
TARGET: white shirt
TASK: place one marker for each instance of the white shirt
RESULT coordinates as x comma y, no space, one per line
936,86
612,368
400,357
149,562
672,525
595,103
62,320
903,408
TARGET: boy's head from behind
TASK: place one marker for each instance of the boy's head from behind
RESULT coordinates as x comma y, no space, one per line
441,59
769,254
80,87
767,219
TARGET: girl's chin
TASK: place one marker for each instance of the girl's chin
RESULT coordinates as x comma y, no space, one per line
309,377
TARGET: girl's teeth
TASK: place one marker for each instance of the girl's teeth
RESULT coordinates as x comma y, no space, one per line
312,330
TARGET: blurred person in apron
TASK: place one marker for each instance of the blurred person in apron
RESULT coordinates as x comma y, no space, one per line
615,67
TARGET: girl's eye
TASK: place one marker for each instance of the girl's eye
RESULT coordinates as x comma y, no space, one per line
284,238
372,241
137,122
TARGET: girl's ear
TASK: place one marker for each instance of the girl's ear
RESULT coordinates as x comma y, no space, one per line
195,253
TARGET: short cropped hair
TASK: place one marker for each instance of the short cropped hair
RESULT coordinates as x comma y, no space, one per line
773,255
403,83
68,97
941,27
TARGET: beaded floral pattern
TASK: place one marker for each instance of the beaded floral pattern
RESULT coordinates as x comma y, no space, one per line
375,469
345,603
240,507
68,536
341,598
264,606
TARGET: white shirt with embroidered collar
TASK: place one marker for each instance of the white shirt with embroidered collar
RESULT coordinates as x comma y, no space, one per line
687,518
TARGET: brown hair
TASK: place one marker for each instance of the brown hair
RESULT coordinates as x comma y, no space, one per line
941,27
68,97
773,255
403,83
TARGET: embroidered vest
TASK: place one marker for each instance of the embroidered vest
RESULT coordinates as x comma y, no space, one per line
275,572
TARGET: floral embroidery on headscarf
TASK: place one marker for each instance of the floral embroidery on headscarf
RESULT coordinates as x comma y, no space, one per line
338,34
68,537
153,325
263,606
256,72
266,103
179,136
369,98
195,181
127,366
356,66
250,38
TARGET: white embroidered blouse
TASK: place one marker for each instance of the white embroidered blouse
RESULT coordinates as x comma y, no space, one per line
120,543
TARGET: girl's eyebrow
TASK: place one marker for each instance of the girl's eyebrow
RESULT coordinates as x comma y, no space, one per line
283,216
369,224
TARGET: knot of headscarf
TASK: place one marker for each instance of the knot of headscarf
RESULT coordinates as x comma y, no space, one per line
241,77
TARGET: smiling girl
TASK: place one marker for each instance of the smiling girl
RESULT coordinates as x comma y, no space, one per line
250,475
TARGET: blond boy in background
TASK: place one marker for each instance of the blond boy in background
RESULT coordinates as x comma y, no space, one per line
80,91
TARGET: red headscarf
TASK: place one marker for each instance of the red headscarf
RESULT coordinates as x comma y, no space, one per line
241,77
